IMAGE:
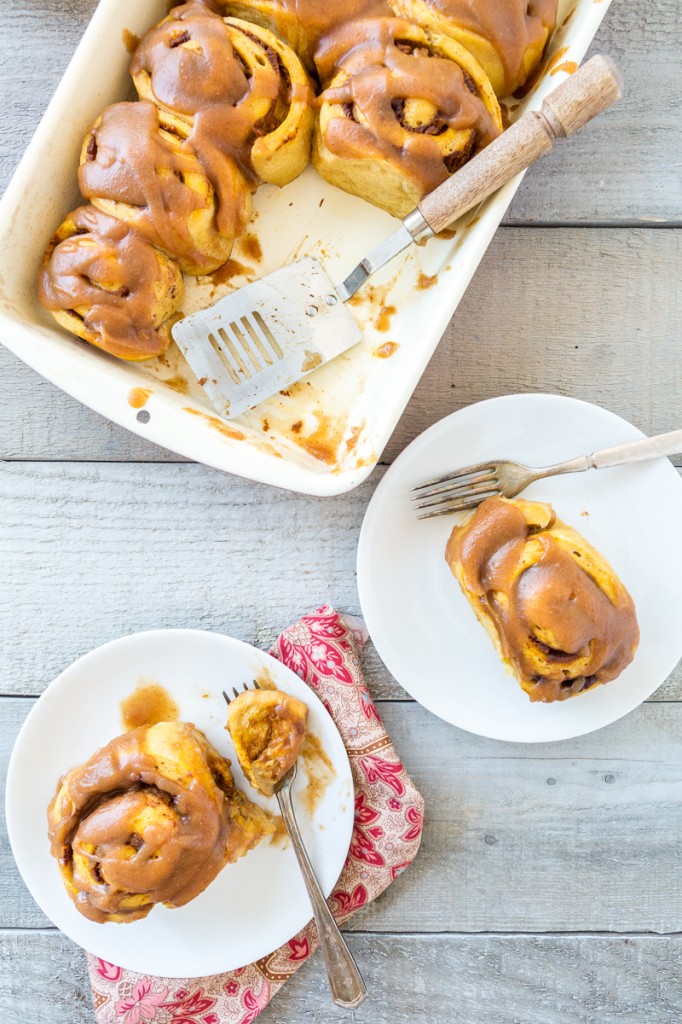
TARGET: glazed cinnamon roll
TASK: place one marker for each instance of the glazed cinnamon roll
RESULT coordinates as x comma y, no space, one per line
151,818
560,618
234,90
402,109
107,284
136,168
302,24
267,728
507,37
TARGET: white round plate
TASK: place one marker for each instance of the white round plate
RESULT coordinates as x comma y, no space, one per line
253,906
422,625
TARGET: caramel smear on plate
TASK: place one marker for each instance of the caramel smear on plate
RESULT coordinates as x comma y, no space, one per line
386,350
320,772
138,397
148,705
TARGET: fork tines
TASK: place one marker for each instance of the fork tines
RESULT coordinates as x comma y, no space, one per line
455,492
235,691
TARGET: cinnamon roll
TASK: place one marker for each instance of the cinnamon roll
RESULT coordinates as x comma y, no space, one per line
267,728
561,620
507,37
234,90
151,818
107,284
302,23
403,108
135,167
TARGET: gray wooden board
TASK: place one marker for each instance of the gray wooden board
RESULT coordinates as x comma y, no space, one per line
594,314
446,979
638,144
90,552
581,835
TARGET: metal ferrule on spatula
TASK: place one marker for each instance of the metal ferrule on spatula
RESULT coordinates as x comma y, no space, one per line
269,334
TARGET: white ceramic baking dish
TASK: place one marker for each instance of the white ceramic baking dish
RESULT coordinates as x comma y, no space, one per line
324,436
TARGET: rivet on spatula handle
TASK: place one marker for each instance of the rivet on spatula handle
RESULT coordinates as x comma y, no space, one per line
592,89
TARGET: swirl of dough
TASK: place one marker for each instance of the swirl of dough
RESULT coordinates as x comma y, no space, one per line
556,611
403,110
105,283
135,167
150,818
507,37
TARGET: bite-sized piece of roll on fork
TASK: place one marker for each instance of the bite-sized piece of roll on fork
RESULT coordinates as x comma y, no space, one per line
402,109
135,167
236,91
107,284
150,818
507,37
267,728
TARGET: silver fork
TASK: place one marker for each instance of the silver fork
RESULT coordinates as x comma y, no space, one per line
466,488
346,982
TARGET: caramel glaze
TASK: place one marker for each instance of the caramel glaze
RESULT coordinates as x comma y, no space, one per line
197,74
303,23
130,159
561,630
129,831
390,83
511,26
109,274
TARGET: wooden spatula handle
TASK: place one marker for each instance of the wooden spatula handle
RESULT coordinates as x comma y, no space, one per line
592,89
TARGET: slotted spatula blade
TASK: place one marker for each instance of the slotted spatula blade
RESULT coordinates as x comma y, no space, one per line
263,337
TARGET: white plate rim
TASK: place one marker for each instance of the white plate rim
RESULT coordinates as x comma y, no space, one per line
376,629
62,680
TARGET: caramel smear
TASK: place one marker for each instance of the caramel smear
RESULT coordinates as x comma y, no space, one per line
223,428
251,247
386,350
147,705
320,771
383,321
569,66
138,397
424,281
130,40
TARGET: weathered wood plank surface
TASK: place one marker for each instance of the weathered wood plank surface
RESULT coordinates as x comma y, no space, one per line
574,836
638,144
93,552
446,979
594,314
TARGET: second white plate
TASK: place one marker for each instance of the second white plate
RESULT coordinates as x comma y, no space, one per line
423,626
253,906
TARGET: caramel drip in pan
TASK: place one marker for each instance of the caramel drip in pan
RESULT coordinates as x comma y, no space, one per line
111,273
227,101
130,160
511,26
399,97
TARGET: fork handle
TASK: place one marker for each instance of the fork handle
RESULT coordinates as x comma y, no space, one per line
592,89
638,451
346,983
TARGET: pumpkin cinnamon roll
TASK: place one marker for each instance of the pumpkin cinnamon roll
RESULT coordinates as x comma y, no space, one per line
402,109
507,37
151,818
135,167
237,93
267,728
302,24
561,620
105,283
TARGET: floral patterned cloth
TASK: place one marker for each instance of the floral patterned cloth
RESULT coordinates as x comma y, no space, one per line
324,650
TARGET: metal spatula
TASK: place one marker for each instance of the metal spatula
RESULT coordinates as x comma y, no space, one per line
271,333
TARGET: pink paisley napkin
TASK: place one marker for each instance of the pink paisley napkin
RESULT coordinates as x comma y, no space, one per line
324,650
